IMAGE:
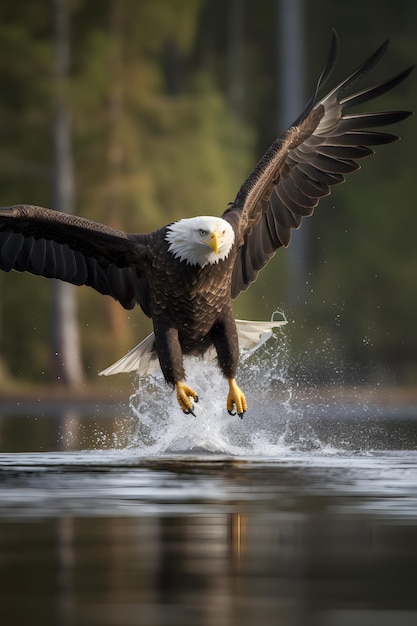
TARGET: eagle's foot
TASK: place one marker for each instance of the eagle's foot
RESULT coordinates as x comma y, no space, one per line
184,393
236,399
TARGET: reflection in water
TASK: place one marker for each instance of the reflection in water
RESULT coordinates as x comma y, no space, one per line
107,538
68,429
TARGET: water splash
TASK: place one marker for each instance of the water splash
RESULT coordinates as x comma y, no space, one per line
273,425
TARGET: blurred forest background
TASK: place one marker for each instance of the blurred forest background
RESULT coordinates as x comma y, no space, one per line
148,111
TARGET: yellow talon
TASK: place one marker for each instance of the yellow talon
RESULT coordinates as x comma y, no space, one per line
236,398
184,393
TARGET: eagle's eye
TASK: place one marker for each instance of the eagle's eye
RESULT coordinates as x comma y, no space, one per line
203,232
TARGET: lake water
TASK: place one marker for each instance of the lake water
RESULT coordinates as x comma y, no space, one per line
303,513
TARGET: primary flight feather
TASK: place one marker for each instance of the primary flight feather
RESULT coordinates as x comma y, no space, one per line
185,275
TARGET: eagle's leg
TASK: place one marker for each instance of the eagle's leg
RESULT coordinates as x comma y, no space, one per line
170,358
236,398
224,337
184,393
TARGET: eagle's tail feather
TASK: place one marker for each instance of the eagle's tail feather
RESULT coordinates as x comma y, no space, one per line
141,358
144,360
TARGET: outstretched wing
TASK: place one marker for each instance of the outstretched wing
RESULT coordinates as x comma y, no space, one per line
56,245
302,164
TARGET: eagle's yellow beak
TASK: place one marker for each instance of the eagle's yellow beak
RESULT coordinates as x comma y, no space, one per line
213,242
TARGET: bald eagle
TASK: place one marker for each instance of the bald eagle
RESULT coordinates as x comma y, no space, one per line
185,275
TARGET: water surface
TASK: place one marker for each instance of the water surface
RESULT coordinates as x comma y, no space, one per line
304,512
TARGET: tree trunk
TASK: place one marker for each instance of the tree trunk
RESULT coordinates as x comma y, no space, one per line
65,335
2,363
236,87
291,61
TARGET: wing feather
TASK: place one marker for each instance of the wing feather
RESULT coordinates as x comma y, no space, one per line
73,249
304,202
315,153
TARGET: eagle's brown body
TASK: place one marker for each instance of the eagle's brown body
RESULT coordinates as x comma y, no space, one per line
189,300
192,304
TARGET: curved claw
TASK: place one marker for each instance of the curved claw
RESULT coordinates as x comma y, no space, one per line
236,399
189,410
184,393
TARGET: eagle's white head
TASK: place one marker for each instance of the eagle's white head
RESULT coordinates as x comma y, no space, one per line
200,240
